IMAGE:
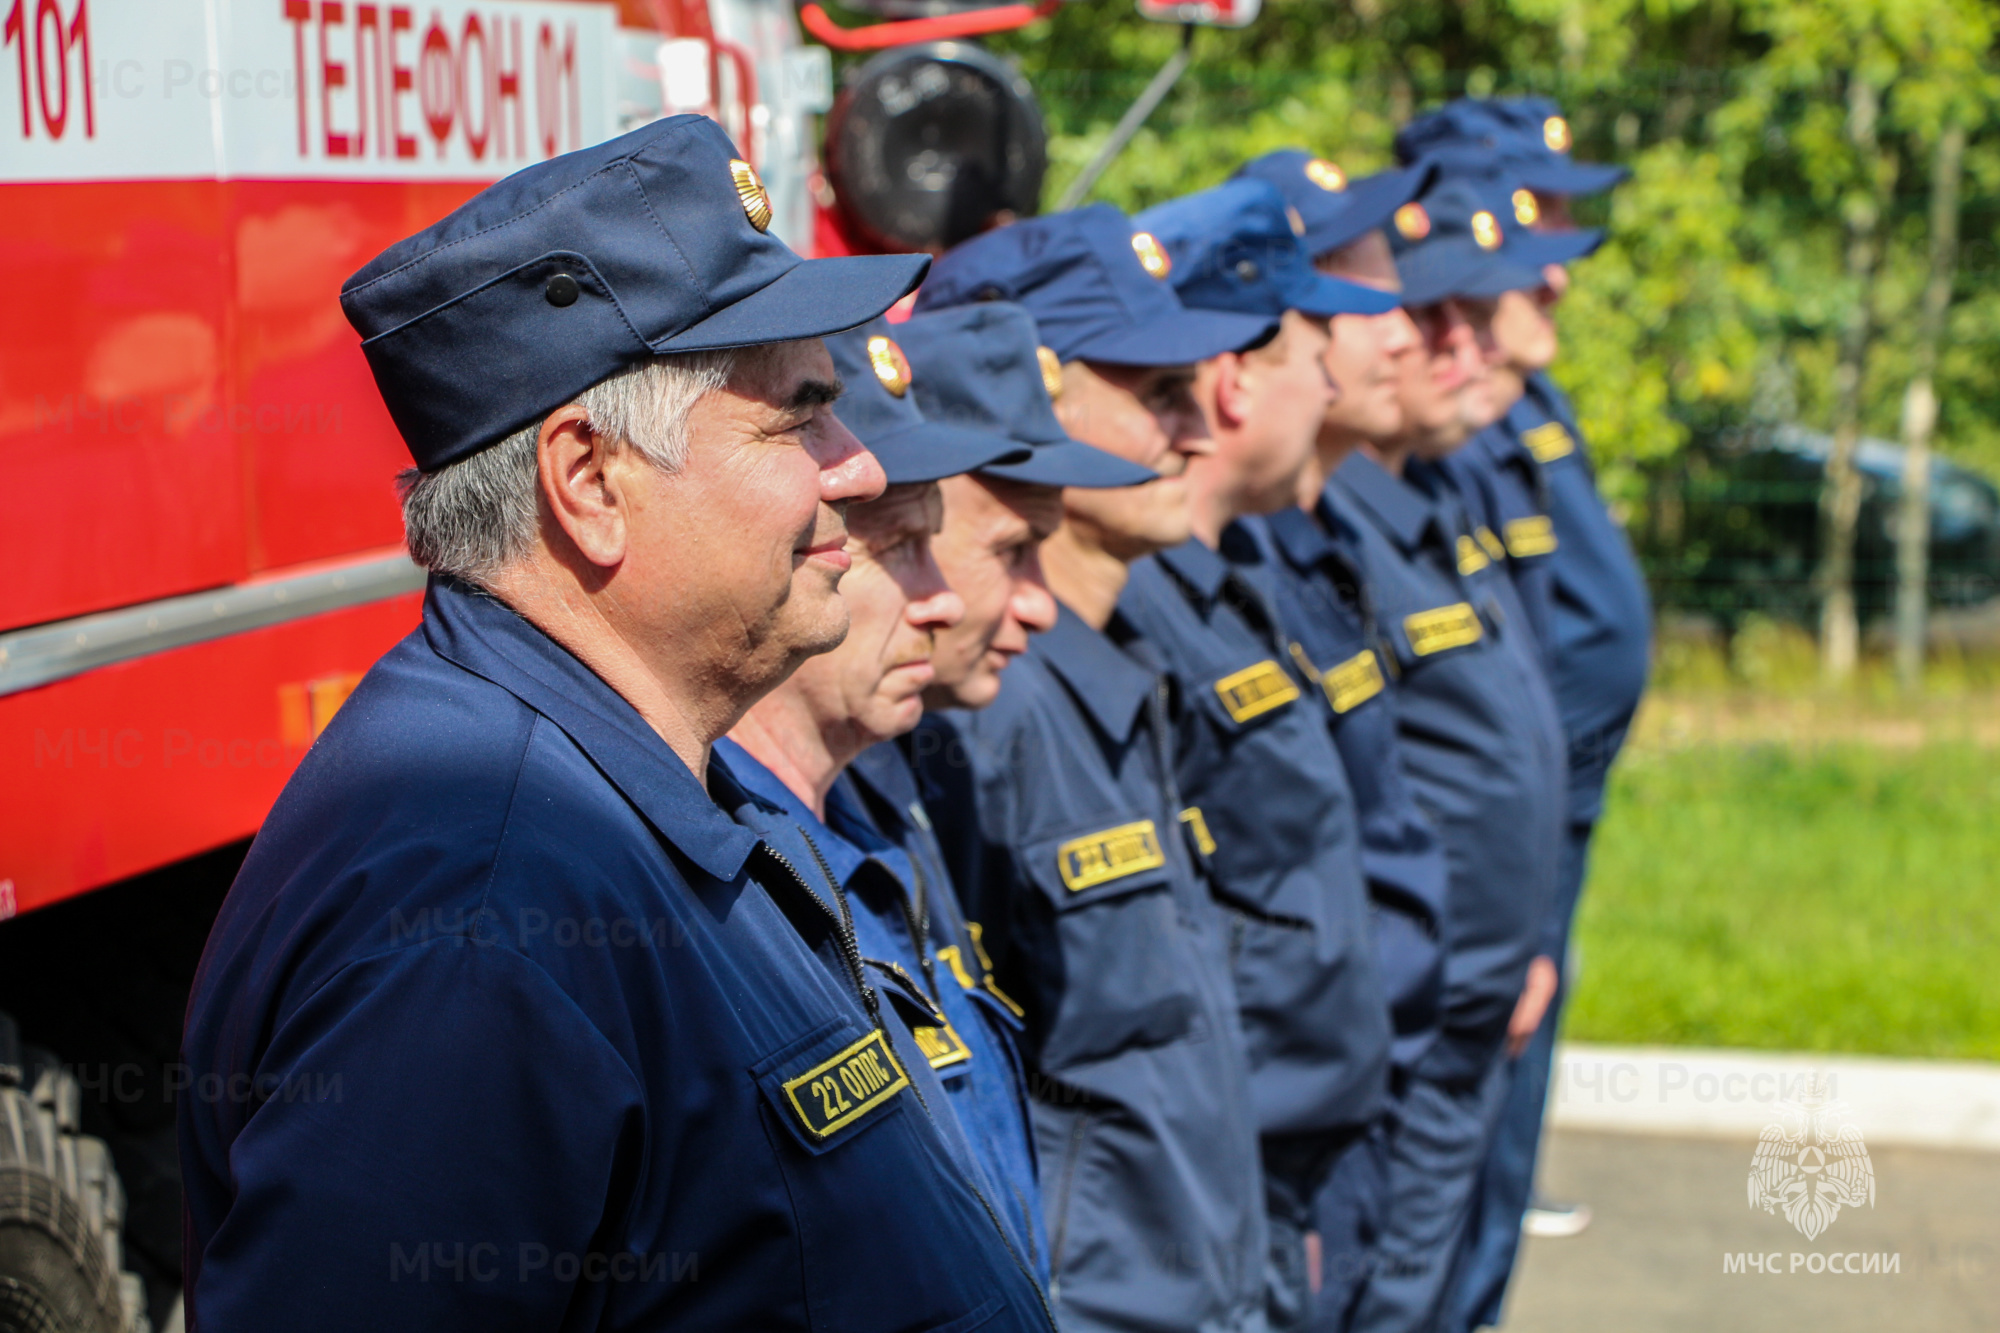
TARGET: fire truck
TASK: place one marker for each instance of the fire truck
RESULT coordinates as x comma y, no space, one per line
203,544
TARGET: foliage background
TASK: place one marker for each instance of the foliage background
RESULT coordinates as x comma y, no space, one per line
1718,301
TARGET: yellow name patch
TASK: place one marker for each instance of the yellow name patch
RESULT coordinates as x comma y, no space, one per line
1115,853
1531,536
1434,631
1548,442
1353,683
1490,542
1470,558
1199,827
978,933
1256,690
942,1046
837,1092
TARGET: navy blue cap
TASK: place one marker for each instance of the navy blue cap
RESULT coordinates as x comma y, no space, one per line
1525,138
1235,248
1336,210
1453,242
880,408
1097,289
982,367
566,272
1532,247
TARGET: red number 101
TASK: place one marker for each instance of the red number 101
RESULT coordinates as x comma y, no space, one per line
50,37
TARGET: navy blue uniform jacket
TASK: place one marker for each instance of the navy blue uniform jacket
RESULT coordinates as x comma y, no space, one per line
961,1042
879,794
1481,739
1602,621
1324,606
1269,804
1507,501
515,1029
1057,808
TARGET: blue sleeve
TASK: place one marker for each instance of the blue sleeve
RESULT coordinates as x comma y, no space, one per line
379,1181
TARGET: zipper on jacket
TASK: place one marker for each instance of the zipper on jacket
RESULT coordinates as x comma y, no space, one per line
853,952
850,952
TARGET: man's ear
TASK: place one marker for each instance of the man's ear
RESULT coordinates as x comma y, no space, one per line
582,481
1233,389
1071,414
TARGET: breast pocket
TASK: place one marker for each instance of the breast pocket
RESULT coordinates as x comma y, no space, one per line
1125,960
869,1188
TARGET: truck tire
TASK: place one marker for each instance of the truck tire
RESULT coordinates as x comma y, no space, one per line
61,1207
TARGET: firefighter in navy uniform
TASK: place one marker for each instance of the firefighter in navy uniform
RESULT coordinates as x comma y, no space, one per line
1337,642
603,1058
1480,737
1059,808
1577,573
976,368
791,752
1267,797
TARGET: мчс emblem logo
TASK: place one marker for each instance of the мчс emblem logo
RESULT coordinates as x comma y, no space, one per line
750,191
889,364
1812,1163
1152,255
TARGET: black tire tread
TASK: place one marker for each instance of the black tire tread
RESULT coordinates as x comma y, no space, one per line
61,1211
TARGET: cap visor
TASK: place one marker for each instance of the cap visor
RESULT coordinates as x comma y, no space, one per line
932,450
1558,247
1568,177
818,297
1332,296
1188,337
1370,203
1073,463
1457,267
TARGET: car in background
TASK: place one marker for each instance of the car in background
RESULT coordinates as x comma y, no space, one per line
1734,529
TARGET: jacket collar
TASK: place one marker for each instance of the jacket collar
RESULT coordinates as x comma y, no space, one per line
1501,441
484,636
846,839
1105,680
1398,508
1198,569
1547,401
1300,539
882,769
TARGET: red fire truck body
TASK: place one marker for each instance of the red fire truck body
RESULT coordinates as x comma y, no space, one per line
203,548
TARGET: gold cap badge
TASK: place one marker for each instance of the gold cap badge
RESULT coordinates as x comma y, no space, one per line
1555,133
1526,211
756,199
889,364
1152,255
1486,230
1413,222
1051,365
1326,175
1298,223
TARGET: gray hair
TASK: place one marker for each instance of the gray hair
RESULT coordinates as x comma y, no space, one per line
474,517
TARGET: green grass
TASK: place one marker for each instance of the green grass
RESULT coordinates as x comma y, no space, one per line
1839,898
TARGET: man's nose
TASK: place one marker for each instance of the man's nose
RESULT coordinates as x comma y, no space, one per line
847,471
933,604
1032,603
1401,333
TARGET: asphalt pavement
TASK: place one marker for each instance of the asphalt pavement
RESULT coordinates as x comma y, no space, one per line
1670,1214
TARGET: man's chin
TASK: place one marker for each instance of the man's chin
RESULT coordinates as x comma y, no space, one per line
977,690
890,718
822,629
